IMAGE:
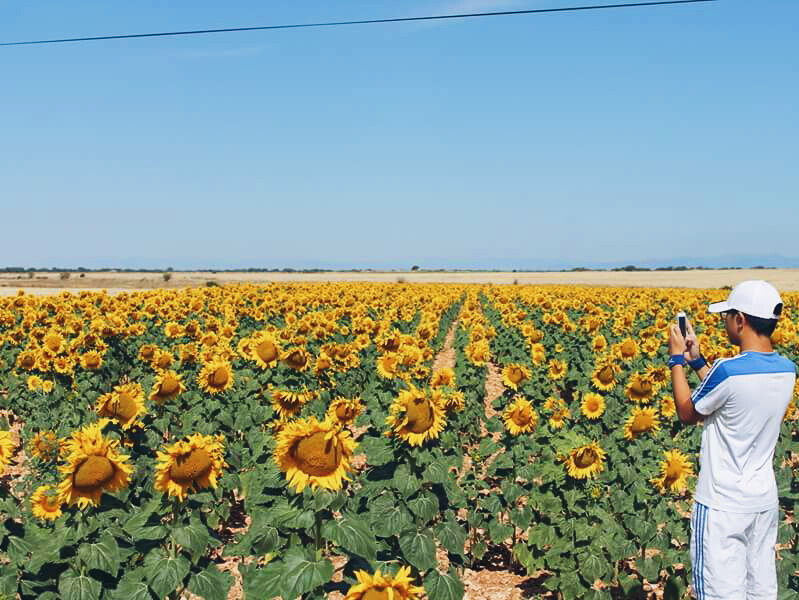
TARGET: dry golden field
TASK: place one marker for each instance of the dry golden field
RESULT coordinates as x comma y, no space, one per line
51,283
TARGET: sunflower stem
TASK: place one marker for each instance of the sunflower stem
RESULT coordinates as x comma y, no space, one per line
318,533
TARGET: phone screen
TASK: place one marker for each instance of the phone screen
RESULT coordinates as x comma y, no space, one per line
681,321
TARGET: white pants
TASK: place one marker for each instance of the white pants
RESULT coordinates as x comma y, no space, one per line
733,554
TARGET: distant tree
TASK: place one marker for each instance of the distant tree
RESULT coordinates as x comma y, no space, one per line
415,268
167,276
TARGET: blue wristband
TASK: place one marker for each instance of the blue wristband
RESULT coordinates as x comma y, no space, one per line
676,359
698,363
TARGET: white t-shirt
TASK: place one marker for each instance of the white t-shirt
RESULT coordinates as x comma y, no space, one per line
746,397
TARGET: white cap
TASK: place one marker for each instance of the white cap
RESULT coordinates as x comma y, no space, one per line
755,297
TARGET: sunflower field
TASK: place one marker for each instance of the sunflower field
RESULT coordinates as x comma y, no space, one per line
308,441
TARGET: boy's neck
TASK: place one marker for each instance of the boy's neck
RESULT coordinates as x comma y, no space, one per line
756,343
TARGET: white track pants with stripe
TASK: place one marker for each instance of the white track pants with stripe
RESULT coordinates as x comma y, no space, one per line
733,554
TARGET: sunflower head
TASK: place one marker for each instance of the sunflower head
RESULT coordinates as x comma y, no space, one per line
93,466
640,388
296,358
215,376
388,365
520,416
641,420
514,375
444,377
264,350
125,404
604,375
7,446
166,386
46,503
585,461
287,403
379,586
314,453
674,472
344,410
557,369
593,405
44,446
416,416
189,465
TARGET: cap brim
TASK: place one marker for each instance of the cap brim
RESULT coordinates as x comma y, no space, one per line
717,307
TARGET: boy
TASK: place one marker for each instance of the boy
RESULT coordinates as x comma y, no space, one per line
742,401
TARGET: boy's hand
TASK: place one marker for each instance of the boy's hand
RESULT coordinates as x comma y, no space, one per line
691,342
677,343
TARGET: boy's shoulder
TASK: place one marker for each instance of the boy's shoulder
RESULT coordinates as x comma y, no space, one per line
756,363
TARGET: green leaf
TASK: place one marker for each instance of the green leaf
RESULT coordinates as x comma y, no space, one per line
262,584
353,535
132,588
452,536
102,556
405,482
378,451
436,472
425,507
165,573
78,587
210,584
194,536
443,586
593,566
18,549
301,575
418,549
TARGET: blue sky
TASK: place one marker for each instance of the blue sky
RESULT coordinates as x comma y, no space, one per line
510,142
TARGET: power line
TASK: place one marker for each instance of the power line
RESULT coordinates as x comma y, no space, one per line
363,22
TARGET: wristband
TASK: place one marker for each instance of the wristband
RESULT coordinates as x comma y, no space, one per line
698,363
676,359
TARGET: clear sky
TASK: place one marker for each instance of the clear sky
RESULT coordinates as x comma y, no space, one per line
551,140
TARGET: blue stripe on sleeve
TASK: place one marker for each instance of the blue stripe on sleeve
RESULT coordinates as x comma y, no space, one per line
716,375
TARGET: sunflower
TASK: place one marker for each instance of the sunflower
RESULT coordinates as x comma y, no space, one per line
674,470
627,349
454,401
559,416
264,350
147,352
593,405
162,360
538,353
557,369
443,377
640,421
215,376
416,416
384,587
45,503
478,352
166,386
44,445
514,375
91,360
640,388
599,343
34,383
604,375
287,403
658,375
667,407
27,360
344,410
388,365
520,416
296,358
93,466
125,404
585,461
190,465
54,342
314,453
7,446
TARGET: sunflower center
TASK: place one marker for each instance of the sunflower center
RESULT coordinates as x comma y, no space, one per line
345,412
147,352
585,457
296,360
420,415
92,361
593,405
123,406
317,456
189,467
605,375
28,361
376,594
219,377
94,472
164,361
169,385
521,416
641,424
515,374
673,471
628,348
267,351
641,388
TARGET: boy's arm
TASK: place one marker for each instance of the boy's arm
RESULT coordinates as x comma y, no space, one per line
682,395
679,383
